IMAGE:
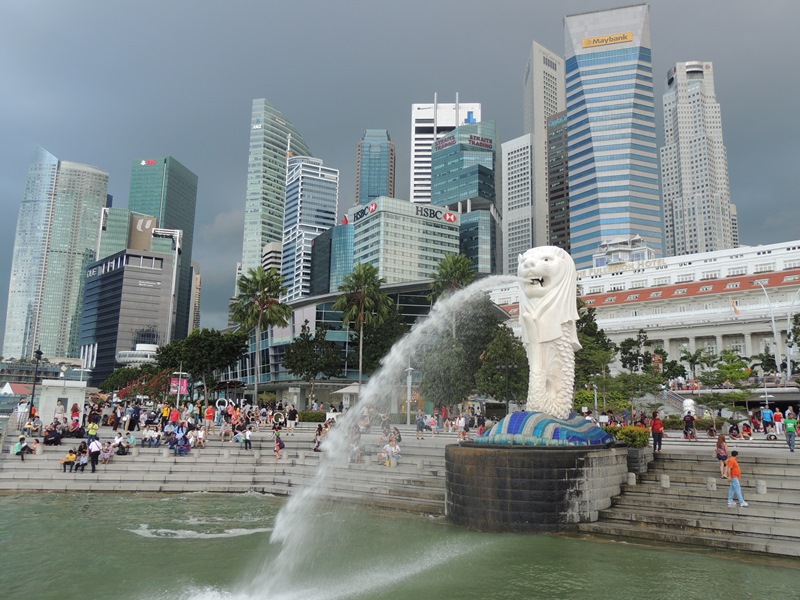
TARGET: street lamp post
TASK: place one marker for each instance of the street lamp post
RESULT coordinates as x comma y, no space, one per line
775,337
594,385
409,372
38,354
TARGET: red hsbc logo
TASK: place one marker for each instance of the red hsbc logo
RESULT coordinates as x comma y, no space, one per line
450,217
373,207
148,162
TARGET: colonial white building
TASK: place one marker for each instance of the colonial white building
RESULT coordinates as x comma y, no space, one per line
722,300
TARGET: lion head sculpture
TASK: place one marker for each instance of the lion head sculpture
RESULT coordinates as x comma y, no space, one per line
549,289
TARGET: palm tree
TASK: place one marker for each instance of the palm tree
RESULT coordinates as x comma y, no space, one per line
258,305
454,272
362,301
699,357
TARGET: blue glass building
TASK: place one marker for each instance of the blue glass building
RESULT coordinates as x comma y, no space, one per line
463,169
612,153
374,166
312,200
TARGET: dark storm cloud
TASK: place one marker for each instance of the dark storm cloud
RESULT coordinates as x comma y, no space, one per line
107,83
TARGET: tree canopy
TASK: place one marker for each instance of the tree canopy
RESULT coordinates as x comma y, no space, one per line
257,305
455,271
363,302
312,356
504,372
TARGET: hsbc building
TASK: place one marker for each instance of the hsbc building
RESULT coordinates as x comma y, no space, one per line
405,241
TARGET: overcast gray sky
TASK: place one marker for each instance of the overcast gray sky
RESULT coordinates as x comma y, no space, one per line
105,83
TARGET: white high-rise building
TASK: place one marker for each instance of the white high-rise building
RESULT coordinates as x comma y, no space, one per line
429,122
544,94
56,238
517,168
698,214
312,202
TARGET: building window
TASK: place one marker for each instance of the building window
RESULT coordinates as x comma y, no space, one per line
655,294
733,285
679,292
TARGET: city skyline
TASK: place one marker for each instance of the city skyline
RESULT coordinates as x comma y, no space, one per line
134,103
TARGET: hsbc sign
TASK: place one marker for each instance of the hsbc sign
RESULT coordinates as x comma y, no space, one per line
369,208
435,213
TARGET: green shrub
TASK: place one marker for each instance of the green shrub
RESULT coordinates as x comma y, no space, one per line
634,437
311,416
699,424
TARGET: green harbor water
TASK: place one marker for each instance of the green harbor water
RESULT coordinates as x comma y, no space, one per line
213,547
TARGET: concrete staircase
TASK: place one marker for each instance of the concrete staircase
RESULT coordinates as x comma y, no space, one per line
416,484
692,510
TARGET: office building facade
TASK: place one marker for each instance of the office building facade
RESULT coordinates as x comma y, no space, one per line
464,179
403,240
558,182
375,161
698,214
613,160
430,122
55,241
543,87
167,190
312,202
518,220
272,138
128,302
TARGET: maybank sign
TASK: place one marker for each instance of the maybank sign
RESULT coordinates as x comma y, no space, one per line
605,40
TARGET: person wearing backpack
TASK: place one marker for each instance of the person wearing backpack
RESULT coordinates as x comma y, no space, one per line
279,445
657,429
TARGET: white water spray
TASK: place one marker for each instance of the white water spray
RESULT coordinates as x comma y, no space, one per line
299,522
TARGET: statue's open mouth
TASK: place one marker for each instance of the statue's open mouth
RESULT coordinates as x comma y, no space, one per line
537,281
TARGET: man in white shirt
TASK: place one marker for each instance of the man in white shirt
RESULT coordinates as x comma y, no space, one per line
94,451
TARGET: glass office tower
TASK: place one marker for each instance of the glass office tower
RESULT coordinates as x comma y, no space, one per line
312,201
272,138
463,179
56,239
374,166
613,158
167,190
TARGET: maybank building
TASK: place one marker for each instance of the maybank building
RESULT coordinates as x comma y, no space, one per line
403,240
612,152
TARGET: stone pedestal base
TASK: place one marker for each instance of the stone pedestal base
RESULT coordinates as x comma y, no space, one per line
531,489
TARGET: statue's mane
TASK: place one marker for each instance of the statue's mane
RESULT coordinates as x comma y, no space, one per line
559,305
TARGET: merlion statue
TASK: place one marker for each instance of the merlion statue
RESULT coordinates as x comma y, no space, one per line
548,313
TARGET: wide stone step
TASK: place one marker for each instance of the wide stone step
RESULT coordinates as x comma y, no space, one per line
727,520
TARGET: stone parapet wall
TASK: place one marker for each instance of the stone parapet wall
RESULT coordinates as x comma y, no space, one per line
534,489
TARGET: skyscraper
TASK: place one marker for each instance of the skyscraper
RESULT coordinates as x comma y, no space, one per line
558,182
374,166
518,218
312,202
544,96
271,136
56,239
613,162
167,190
430,122
464,178
698,214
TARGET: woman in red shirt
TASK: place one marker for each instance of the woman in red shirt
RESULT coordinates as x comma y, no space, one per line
657,429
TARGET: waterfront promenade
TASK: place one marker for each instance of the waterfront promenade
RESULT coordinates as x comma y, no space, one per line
680,500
